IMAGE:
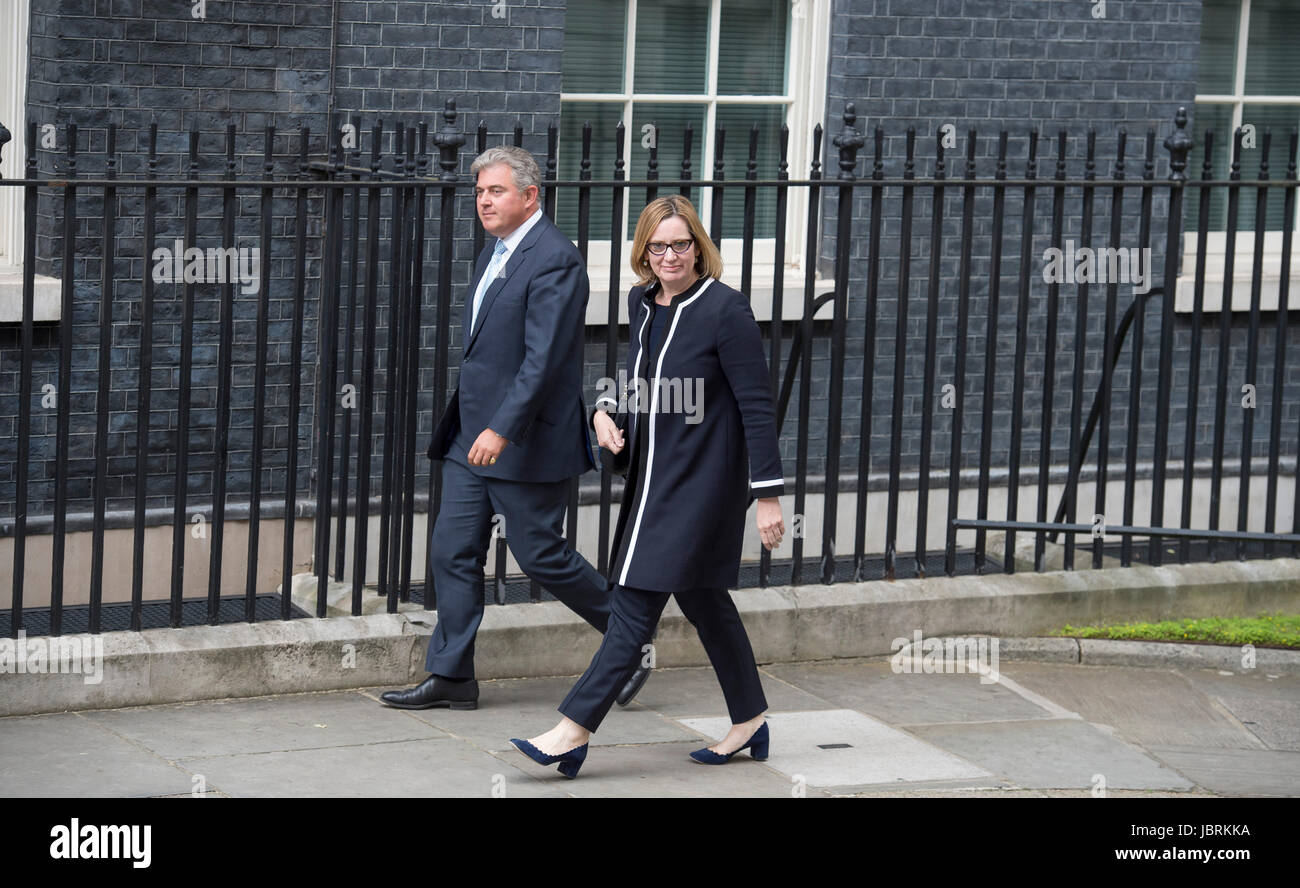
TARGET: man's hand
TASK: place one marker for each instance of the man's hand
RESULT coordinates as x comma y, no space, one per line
487,447
607,433
770,526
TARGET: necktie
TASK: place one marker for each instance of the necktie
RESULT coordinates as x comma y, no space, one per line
498,256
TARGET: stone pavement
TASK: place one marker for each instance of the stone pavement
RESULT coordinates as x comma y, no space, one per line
841,727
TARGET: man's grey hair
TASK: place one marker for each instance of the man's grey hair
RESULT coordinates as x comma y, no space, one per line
523,168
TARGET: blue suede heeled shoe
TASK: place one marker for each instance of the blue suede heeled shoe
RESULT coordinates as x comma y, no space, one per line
569,761
757,747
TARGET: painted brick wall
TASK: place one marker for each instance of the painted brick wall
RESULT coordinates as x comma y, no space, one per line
1017,65
983,64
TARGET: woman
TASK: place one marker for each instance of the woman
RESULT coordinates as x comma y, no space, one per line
693,467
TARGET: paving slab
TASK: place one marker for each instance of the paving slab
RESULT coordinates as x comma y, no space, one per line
695,691
1053,754
1013,793
840,747
991,785
916,698
1237,772
442,768
1148,706
840,728
266,724
527,707
665,770
68,756
1267,705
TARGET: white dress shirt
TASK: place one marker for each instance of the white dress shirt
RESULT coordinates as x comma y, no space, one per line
513,239
511,242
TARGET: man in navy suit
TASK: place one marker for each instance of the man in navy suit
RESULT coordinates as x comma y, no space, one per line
515,432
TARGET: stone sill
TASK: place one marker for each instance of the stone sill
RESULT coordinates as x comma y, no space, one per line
46,302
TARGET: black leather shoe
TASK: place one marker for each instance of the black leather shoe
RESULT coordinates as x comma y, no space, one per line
633,685
435,691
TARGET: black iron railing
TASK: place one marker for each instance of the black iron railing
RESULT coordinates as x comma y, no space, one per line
370,248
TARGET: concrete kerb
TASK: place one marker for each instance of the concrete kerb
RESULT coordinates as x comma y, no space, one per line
217,662
1108,652
1114,652
785,624
863,619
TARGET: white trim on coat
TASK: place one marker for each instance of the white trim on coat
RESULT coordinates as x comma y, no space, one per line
654,409
636,389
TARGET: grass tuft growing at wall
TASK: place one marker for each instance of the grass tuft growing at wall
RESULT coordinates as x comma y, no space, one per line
1272,630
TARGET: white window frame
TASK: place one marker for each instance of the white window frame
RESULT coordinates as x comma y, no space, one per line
1216,241
805,101
14,15
46,304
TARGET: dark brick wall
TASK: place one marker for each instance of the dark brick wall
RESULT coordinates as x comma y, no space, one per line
253,64
984,64
1017,65
249,63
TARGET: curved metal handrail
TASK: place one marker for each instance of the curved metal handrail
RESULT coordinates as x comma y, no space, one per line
792,363
1072,480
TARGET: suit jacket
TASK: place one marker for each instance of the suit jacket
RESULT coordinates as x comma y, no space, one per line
521,365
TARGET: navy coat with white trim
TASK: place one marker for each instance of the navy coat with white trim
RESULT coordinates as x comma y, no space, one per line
692,476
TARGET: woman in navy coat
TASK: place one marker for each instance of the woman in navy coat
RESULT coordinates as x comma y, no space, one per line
696,430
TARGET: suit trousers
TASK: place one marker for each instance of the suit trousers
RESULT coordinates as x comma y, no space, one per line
633,615
533,515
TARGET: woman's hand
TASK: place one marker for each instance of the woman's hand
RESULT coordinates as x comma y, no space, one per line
770,526
607,433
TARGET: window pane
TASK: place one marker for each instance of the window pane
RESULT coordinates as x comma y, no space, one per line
737,121
672,46
604,118
1218,59
594,34
1281,119
752,47
1271,54
1219,119
671,120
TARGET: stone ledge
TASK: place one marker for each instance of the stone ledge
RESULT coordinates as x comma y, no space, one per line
47,304
1172,655
1115,652
785,624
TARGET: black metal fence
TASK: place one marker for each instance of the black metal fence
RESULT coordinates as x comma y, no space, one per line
368,242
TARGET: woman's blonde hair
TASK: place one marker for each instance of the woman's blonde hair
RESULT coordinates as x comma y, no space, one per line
708,261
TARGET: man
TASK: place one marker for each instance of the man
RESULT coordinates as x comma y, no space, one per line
515,432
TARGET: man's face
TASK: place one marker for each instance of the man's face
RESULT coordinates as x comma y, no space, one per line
502,207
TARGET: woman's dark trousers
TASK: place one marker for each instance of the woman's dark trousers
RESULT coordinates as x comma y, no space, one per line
633,615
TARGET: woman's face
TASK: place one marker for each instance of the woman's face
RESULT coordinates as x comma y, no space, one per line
673,269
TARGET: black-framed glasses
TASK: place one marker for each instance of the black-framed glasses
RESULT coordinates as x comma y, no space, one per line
679,246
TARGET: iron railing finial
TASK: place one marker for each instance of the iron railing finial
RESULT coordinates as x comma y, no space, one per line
449,139
1179,143
849,141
